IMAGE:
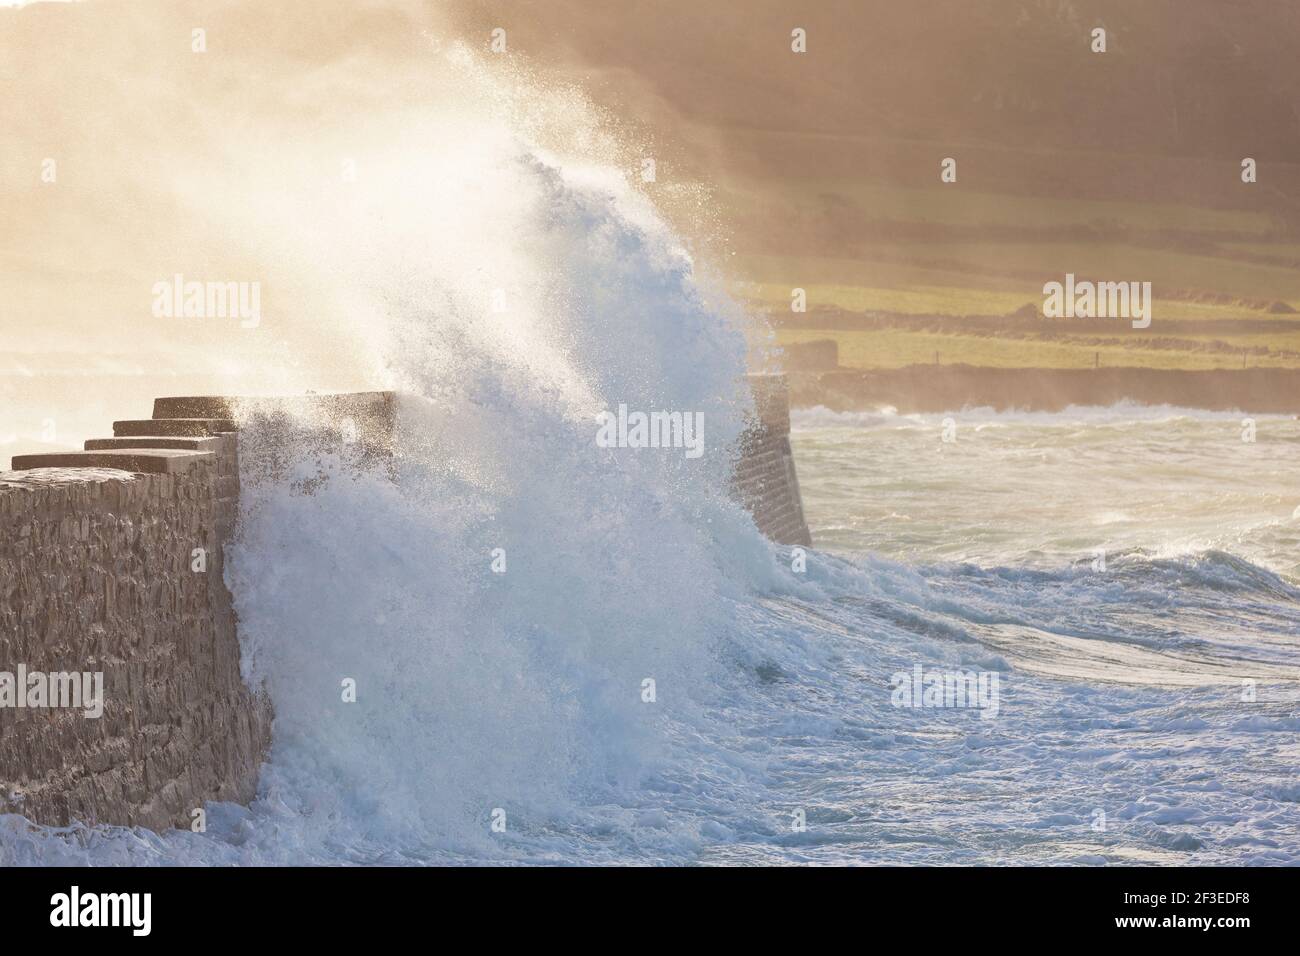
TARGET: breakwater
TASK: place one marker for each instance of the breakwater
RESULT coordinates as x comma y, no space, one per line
111,567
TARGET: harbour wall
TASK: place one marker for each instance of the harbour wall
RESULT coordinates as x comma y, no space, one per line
111,577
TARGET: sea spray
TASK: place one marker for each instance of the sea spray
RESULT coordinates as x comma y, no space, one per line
486,255
419,691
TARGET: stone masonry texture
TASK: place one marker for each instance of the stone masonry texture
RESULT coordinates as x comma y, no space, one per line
95,575
764,479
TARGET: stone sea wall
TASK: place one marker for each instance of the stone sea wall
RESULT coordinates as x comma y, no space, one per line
111,579
765,480
111,564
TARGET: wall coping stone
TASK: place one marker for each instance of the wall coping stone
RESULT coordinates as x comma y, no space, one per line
33,479
183,442
227,406
165,427
166,461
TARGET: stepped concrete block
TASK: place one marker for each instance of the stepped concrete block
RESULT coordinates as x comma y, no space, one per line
168,427
188,443
221,406
198,406
149,461
368,419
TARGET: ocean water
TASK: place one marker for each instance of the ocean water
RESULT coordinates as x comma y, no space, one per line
1049,489
646,680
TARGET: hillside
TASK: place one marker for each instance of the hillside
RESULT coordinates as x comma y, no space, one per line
825,166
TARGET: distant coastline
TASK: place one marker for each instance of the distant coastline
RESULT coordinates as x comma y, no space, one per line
938,388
